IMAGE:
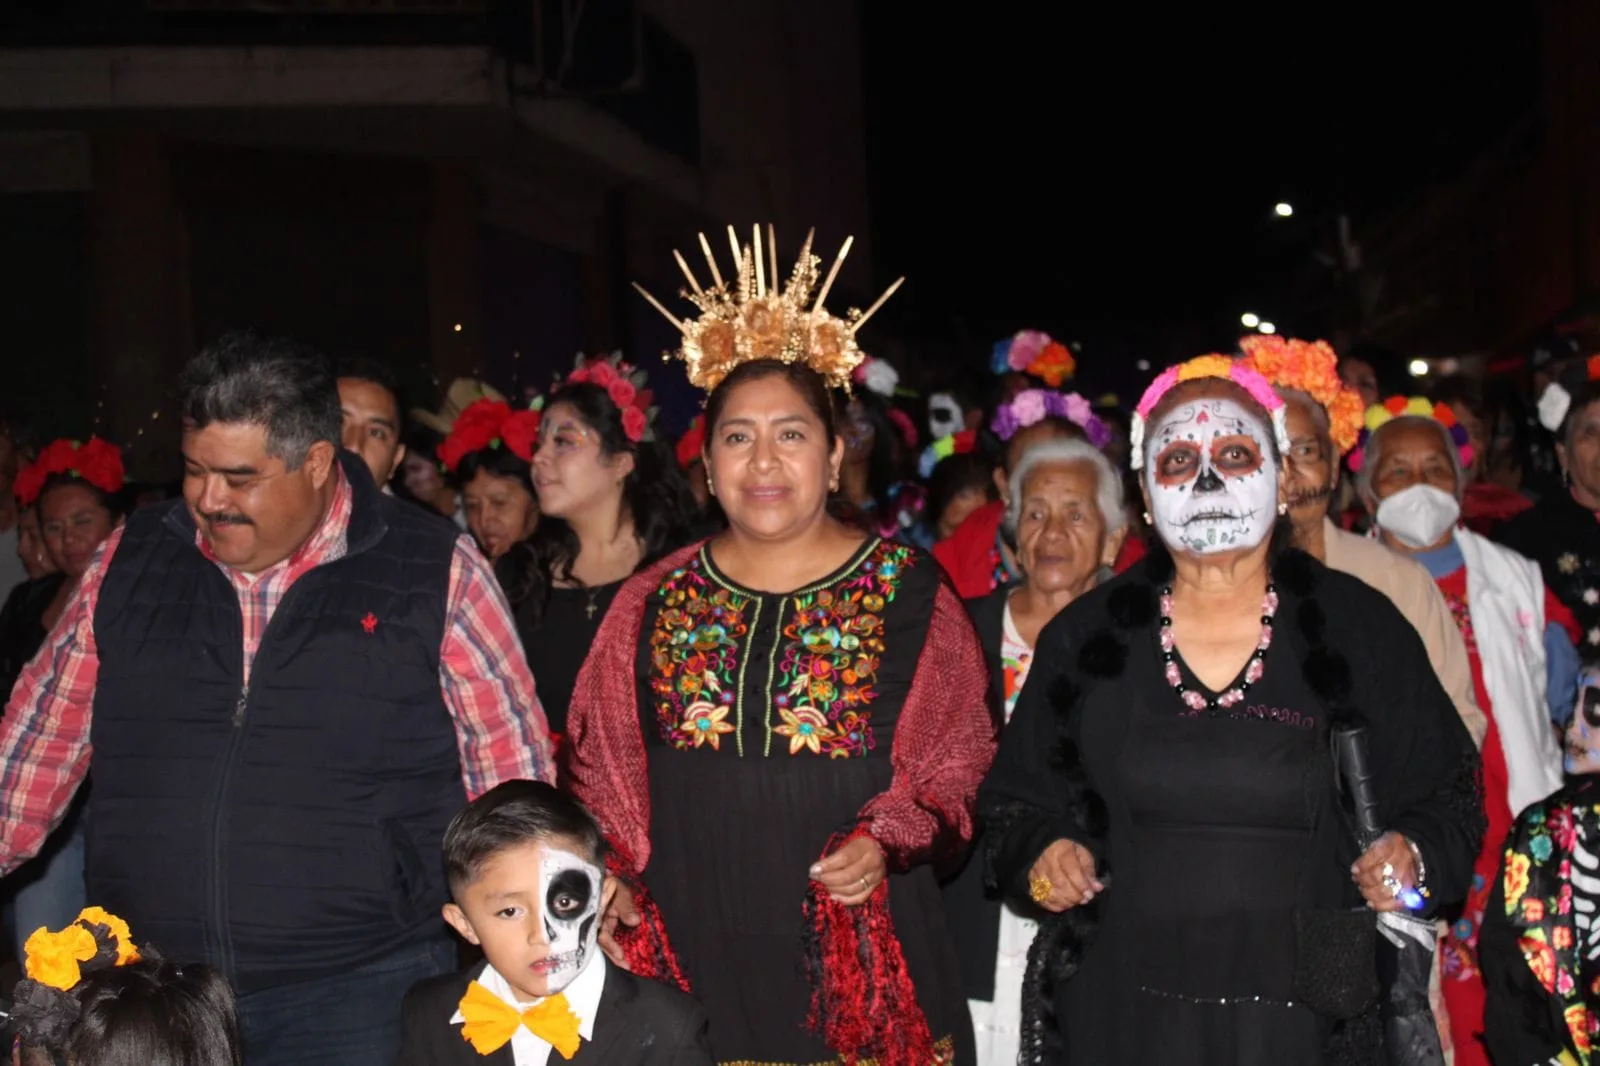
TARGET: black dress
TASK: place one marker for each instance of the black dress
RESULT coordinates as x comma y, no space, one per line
559,640
1218,833
22,630
768,722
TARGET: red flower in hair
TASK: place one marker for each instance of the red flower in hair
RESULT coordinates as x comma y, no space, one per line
621,392
100,464
633,424
603,374
475,429
95,461
692,443
521,434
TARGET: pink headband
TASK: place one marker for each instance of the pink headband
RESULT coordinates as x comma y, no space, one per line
1207,366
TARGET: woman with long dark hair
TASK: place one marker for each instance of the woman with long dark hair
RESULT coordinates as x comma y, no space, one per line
781,728
611,499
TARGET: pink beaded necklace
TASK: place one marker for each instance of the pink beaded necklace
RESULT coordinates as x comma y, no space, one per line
1197,702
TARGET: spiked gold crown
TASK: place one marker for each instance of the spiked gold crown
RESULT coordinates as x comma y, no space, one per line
753,318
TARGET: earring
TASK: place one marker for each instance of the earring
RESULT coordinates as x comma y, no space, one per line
1283,508
1147,520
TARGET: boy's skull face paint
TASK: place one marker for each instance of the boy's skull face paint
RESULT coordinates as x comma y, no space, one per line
571,901
1213,486
1583,732
945,416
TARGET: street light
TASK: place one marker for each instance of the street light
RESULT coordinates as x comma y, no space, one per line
1419,368
1267,327
1250,320
1283,210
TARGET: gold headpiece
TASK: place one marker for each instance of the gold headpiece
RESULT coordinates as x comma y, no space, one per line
754,319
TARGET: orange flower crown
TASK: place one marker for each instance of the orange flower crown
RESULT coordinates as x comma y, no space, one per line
753,317
1311,367
56,960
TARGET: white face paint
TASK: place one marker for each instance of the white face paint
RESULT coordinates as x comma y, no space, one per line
1583,732
570,901
945,416
1212,483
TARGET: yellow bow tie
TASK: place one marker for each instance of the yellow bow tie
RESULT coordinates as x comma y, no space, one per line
491,1021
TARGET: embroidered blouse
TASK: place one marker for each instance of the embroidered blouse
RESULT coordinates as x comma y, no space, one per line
726,669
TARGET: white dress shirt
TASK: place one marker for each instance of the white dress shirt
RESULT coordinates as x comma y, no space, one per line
583,996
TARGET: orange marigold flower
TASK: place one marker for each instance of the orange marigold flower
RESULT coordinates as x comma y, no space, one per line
53,958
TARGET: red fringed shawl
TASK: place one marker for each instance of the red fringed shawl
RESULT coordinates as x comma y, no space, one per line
944,741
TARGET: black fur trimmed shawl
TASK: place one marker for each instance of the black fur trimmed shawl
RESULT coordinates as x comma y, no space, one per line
1361,659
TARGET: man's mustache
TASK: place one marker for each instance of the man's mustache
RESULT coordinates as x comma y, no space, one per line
226,519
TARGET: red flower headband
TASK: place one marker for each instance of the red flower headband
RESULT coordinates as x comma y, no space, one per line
489,424
94,461
626,387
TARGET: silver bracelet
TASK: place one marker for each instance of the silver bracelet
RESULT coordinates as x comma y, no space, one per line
1422,867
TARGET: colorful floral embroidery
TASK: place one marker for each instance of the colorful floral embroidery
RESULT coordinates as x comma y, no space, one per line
1538,892
694,653
824,671
833,647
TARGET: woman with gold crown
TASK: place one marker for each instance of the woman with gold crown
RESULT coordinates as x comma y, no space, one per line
782,728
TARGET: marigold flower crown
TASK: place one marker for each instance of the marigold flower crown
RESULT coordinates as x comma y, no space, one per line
752,317
95,461
1035,353
1311,367
1413,407
1224,367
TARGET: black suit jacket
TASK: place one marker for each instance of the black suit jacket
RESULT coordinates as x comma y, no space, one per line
638,1023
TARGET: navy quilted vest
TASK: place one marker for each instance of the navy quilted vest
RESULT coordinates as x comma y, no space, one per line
293,830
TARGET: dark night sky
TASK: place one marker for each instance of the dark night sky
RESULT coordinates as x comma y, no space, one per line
1107,174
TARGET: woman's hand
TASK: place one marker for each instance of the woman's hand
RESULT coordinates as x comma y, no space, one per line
1393,851
621,910
853,871
1070,870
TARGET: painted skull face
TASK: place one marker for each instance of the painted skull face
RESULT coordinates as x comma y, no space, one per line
1212,483
570,898
1583,732
945,416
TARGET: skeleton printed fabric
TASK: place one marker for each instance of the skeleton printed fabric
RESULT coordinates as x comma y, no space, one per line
571,900
1213,486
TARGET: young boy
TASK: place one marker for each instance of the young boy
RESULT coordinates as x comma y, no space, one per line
526,867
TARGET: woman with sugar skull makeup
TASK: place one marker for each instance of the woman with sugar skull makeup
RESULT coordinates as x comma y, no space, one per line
1164,799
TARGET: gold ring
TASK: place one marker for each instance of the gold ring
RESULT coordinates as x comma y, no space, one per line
865,884
1040,888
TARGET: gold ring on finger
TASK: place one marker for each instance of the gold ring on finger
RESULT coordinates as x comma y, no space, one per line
1040,888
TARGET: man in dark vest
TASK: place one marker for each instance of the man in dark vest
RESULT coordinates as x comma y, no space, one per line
285,686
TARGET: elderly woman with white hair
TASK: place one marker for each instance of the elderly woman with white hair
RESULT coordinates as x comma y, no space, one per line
1066,515
1411,477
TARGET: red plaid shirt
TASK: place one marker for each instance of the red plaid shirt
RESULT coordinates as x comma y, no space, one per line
483,676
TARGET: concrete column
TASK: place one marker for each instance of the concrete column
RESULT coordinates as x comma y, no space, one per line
455,300
140,328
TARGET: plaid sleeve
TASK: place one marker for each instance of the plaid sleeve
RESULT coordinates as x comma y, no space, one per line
500,726
44,738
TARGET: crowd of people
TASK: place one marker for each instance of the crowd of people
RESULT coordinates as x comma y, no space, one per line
984,726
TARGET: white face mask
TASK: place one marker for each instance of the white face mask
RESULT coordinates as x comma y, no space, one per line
1212,483
571,913
1419,515
944,415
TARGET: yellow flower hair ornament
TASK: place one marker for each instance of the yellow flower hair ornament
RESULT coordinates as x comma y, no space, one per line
1413,407
45,1009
